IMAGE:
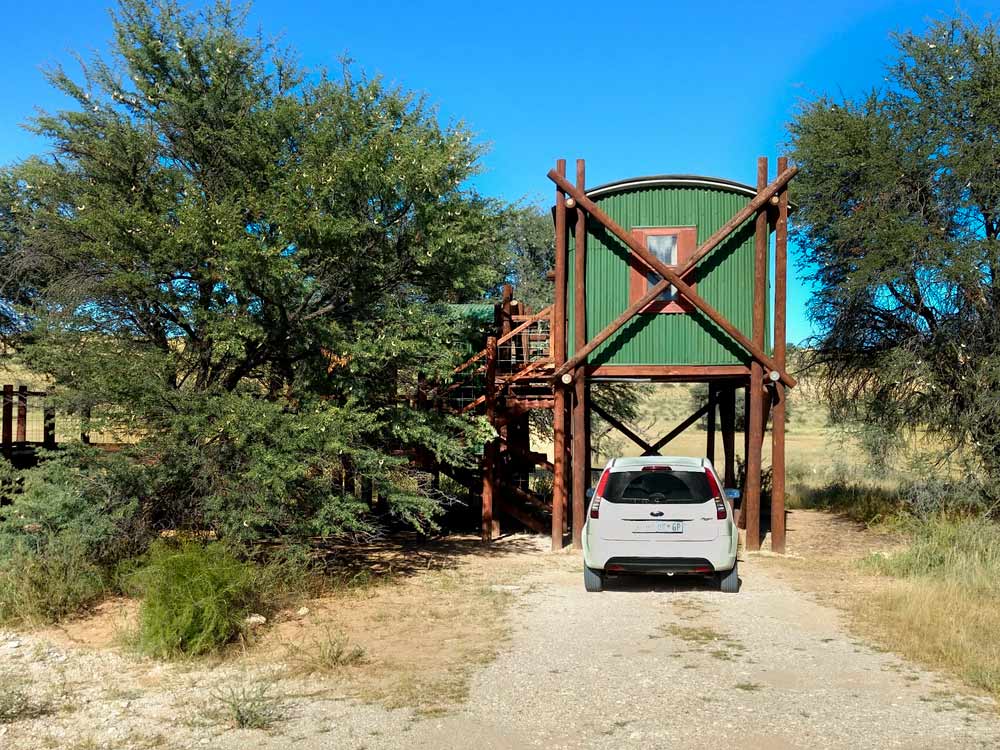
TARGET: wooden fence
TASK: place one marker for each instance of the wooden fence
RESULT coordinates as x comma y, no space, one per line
21,427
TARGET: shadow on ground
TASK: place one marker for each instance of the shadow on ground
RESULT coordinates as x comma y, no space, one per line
408,553
660,584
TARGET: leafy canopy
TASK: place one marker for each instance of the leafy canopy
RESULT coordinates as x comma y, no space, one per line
898,221
246,265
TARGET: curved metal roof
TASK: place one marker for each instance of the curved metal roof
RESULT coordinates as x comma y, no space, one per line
672,180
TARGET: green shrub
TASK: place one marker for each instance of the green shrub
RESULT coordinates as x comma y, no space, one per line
963,550
48,579
93,496
861,502
195,598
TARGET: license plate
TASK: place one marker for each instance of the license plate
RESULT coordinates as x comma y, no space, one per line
670,527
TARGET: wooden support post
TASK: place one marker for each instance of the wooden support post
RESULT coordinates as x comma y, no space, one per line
778,411
727,418
558,349
22,414
746,421
581,443
49,426
754,427
489,485
506,302
491,450
8,420
710,423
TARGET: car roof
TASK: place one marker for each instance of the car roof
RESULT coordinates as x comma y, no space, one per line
679,462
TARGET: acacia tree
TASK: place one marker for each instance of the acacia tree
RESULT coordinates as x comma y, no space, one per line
243,265
898,221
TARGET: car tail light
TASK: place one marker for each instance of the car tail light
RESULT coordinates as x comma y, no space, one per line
595,503
655,467
713,486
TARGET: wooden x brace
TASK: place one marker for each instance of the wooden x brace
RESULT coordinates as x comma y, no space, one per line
670,277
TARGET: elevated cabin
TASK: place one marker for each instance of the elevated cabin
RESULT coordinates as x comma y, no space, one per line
671,215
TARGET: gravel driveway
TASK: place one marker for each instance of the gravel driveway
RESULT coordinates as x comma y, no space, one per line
646,664
655,666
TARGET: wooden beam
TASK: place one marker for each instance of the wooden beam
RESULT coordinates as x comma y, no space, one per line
654,449
526,519
727,420
7,437
668,278
528,498
630,312
491,451
755,425
580,441
669,372
762,198
558,351
778,412
622,428
710,426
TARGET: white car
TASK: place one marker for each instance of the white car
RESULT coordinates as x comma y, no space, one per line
660,515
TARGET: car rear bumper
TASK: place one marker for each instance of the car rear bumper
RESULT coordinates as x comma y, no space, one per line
661,556
659,565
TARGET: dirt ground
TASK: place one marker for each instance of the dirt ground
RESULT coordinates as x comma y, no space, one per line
502,648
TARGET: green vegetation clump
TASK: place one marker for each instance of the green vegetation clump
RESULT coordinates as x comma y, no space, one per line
247,706
195,598
16,701
49,581
328,653
963,551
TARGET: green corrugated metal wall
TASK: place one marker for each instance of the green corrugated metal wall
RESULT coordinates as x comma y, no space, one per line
724,279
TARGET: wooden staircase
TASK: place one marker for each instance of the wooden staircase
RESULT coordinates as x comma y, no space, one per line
504,381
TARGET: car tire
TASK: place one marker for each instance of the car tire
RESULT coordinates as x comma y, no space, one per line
593,580
729,581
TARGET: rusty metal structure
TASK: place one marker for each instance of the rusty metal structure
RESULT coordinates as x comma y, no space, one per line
659,279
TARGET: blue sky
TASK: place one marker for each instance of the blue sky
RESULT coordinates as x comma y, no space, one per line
633,87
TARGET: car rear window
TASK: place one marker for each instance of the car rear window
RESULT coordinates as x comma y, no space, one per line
657,486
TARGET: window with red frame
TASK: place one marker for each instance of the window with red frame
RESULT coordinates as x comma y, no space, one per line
673,246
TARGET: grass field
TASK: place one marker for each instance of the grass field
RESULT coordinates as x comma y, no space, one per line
815,451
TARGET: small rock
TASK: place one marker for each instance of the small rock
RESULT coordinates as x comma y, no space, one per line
303,611
255,621
509,589
13,644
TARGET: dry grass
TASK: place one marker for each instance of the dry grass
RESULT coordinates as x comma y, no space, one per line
900,593
326,653
420,637
941,624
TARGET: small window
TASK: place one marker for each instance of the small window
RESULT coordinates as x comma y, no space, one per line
671,245
664,247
